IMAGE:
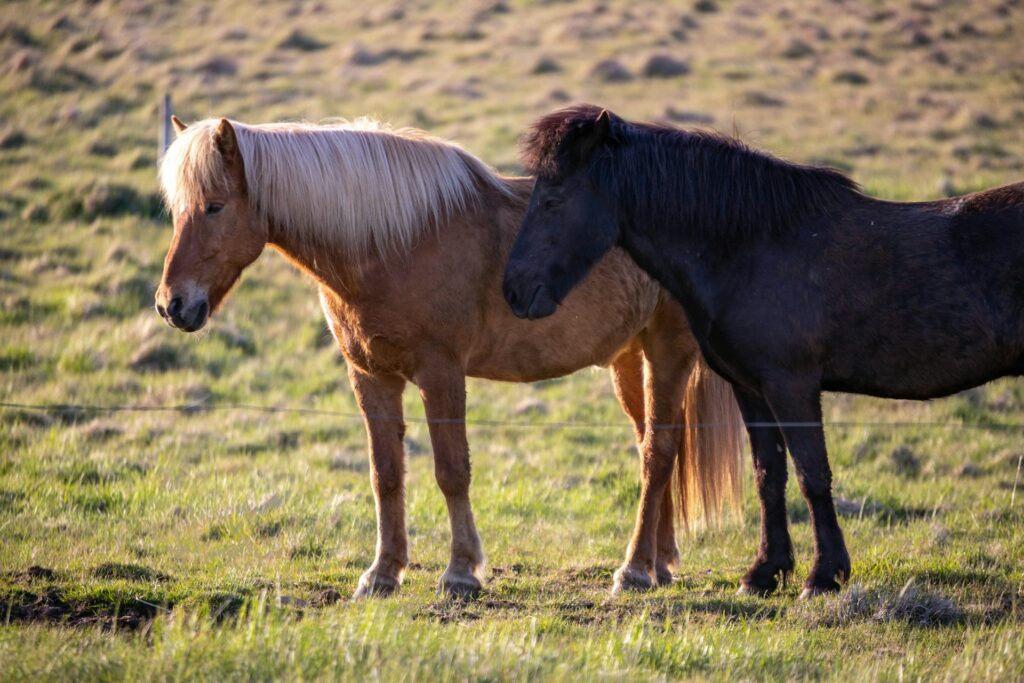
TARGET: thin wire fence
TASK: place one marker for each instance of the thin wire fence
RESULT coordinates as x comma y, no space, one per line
84,409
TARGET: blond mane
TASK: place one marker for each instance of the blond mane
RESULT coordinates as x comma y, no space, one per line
361,186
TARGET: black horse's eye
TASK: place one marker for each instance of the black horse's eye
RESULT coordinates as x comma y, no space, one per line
550,203
213,208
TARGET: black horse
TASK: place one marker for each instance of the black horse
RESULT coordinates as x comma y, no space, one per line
794,282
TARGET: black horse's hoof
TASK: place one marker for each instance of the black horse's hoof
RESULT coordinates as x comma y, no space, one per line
763,578
827,577
817,585
812,590
760,591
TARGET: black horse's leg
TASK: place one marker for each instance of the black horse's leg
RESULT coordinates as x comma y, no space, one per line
775,555
797,408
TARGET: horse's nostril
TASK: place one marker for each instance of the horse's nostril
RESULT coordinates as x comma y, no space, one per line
510,296
174,308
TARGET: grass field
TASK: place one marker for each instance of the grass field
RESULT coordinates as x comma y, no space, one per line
218,544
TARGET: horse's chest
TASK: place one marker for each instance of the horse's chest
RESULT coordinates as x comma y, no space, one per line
369,347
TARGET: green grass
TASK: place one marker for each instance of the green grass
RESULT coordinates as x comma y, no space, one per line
226,544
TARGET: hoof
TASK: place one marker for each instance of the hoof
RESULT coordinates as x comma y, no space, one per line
759,583
459,587
755,590
763,578
375,586
631,579
664,576
812,590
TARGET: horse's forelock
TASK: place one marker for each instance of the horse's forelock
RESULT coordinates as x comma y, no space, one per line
549,143
192,166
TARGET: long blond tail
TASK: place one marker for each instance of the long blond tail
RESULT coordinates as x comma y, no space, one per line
709,465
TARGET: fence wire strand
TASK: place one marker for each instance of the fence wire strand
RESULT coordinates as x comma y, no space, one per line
192,408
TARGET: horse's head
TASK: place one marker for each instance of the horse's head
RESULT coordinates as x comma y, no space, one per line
569,224
216,232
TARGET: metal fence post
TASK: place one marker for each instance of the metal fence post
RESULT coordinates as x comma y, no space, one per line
165,127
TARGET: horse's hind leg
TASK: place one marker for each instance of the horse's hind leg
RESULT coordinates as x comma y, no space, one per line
775,554
443,389
668,551
797,408
665,383
380,401
628,380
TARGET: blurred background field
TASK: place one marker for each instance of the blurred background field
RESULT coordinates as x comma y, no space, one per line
226,543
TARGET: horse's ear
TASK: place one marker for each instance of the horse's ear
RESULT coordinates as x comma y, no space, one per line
179,127
603,125
600,132
227,142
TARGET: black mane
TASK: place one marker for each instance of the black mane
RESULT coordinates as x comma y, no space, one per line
708,181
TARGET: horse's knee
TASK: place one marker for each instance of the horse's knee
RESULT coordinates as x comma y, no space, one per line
815,485
387,482
657,469
387,474
453,480
662,443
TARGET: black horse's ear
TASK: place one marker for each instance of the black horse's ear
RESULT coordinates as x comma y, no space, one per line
601,132
603,124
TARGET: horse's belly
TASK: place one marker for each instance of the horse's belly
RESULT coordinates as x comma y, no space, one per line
537,354
920,368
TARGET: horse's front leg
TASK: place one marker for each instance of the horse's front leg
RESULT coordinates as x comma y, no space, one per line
380,401
797,407
443,389
775,553
652,551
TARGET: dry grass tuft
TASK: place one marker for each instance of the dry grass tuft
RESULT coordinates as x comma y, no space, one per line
664,66
611,71
904,461
157,356
856,603
302,42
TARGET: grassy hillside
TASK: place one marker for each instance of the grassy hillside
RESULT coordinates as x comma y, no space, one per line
226,543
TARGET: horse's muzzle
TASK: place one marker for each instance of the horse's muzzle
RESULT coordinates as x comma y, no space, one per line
186,318
539,304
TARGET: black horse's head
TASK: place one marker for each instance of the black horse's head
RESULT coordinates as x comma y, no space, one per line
571,220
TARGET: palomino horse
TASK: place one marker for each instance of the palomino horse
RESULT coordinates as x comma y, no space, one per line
406,234
794,283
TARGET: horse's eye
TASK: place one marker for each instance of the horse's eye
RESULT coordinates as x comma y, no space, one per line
213,208
550,203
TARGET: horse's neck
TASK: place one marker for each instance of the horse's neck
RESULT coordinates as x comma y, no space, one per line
325,265
331,267
678,273
514,204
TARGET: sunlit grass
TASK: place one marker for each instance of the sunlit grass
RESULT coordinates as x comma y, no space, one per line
225,544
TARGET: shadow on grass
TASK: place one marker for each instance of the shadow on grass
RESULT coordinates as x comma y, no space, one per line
53,605
128,572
